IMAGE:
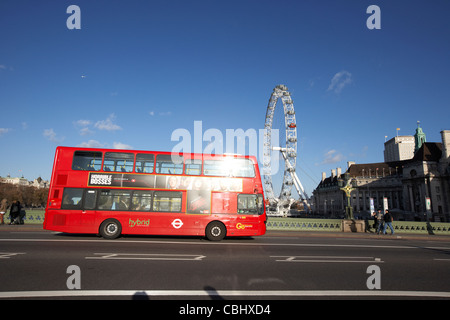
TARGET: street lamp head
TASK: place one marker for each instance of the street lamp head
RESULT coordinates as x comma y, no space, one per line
346,176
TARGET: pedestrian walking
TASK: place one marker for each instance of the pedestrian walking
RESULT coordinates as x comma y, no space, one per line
380,221
388,222
15,211
3,208
375,221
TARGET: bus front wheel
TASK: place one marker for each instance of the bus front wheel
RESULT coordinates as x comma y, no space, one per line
216,231
110,229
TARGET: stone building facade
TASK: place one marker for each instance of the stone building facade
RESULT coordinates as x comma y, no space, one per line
21,181
415,189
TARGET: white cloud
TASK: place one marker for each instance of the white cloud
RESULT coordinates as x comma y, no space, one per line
339,81
3,131
167,113
120,145
85,131
162,114
84,126
4,67
332,156
108,124
51,135
82,123
91,144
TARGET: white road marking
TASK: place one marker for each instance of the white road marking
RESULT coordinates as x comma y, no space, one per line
224,293
441,259
7,255
147,256
327,259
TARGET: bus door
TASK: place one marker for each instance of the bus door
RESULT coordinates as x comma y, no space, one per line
71,208
88,213
250,208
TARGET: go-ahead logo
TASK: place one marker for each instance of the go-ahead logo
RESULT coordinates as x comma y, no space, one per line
177,223
242,226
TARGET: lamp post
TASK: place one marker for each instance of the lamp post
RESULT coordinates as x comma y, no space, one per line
346,185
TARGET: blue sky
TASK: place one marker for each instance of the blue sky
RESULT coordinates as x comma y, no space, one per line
138,70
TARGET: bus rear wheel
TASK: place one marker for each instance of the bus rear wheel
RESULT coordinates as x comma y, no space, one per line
216,231
110,229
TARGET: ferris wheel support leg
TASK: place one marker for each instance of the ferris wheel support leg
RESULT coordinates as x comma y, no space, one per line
298,185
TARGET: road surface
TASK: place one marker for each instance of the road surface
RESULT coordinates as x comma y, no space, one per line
279,265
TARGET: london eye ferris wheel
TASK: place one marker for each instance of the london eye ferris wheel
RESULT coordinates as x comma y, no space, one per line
286,146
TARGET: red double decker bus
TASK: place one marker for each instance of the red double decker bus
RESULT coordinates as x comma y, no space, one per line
112,192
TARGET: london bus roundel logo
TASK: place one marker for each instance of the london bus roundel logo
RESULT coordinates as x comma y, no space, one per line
177,223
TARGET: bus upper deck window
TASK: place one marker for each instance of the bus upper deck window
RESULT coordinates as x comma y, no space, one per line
193,167
87,160
169,165
118,162
145,163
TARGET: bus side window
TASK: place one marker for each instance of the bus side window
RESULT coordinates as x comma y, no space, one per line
167,201
247,204
229,167
114,200
145,163
118,162
87,160
90,199
72,198
260,204
164,164
141,201
243,168
193,167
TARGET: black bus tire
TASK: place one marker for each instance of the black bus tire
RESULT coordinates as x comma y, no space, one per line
110,229
216,231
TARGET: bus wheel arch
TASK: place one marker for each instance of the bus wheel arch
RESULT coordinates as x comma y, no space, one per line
110,229
215,231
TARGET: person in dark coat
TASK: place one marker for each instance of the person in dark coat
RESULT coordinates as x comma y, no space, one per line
14,211
388,218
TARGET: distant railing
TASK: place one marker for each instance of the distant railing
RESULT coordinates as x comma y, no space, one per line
438,228
31,217
306,224
303,224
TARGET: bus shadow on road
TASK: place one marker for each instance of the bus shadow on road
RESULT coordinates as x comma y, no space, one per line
209,291
154,237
